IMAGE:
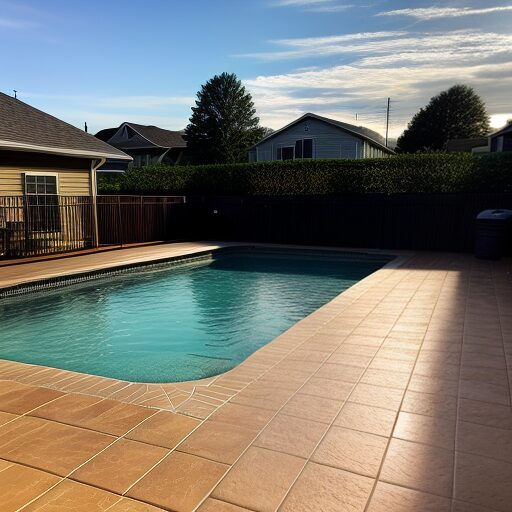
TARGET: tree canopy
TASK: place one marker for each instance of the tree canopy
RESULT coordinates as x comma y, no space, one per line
457,113
223,124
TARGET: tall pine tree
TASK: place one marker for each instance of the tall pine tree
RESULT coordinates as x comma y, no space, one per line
457,113
223,124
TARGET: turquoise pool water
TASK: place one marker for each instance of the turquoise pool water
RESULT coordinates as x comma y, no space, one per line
174,323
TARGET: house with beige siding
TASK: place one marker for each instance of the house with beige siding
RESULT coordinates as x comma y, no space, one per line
47,179
315,137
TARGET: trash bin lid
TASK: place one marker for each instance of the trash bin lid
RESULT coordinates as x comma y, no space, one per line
499,214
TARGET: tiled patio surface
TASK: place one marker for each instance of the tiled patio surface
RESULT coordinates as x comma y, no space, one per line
393,397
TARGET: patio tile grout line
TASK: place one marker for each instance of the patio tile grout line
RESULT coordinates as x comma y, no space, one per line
67,477
266,371
456,434
307,380
344,401
384,456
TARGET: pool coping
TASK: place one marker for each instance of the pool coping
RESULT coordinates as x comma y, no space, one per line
196,398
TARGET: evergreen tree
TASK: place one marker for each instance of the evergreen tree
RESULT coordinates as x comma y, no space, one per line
457,113
223,124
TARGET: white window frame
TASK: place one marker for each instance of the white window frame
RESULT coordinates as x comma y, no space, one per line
40,173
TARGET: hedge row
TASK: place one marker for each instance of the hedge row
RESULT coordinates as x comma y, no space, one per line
435,172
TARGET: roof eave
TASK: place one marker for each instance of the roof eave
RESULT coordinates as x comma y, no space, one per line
77,153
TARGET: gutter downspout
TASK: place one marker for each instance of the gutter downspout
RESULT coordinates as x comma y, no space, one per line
94,193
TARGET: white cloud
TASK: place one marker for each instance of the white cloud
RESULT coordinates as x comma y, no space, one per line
409,67
383,48
323,46
430,13
325,6
331,8
300,3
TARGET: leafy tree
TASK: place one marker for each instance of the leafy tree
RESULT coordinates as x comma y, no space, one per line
457,113
223,124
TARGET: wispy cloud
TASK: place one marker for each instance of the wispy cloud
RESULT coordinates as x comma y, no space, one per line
430,13
328,45
16,24
314,5
299,3
408,66
386,47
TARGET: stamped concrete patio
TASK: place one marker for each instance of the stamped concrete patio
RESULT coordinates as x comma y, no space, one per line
393,397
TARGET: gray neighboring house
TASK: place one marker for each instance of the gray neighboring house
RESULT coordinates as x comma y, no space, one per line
315,137
147,145
501,140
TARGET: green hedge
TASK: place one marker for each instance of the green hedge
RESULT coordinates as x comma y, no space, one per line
434,172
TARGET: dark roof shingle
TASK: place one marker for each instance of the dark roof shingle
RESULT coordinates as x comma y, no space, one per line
23,126
159,136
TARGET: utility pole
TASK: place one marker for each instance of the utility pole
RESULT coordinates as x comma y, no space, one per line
387,121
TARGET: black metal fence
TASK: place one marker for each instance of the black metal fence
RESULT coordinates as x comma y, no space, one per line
440,222
35,225
137,219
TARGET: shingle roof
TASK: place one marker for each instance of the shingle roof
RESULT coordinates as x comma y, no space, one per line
363,132
159,136
25,127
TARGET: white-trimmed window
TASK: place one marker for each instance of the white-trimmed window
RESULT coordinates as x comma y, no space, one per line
41,184
41,189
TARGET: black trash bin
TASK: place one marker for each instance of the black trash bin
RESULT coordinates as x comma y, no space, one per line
492,232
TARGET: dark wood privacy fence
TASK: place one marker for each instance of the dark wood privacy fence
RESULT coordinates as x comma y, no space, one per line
440,222
34,225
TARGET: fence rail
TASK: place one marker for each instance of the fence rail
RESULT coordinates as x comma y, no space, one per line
136,219
44,224
439,222
34,225
421,221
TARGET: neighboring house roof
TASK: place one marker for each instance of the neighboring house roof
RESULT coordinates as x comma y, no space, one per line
359,131
501,131
25,128
466,145
154,135
106,134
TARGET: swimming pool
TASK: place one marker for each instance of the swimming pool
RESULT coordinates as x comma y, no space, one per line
175,322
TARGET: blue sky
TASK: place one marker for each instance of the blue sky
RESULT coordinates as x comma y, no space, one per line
110,61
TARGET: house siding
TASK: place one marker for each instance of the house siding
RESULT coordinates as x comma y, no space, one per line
74,174
329,141
71,182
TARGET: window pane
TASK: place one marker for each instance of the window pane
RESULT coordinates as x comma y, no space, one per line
30,179
51,188
287,153
308,148
31,188
298,149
